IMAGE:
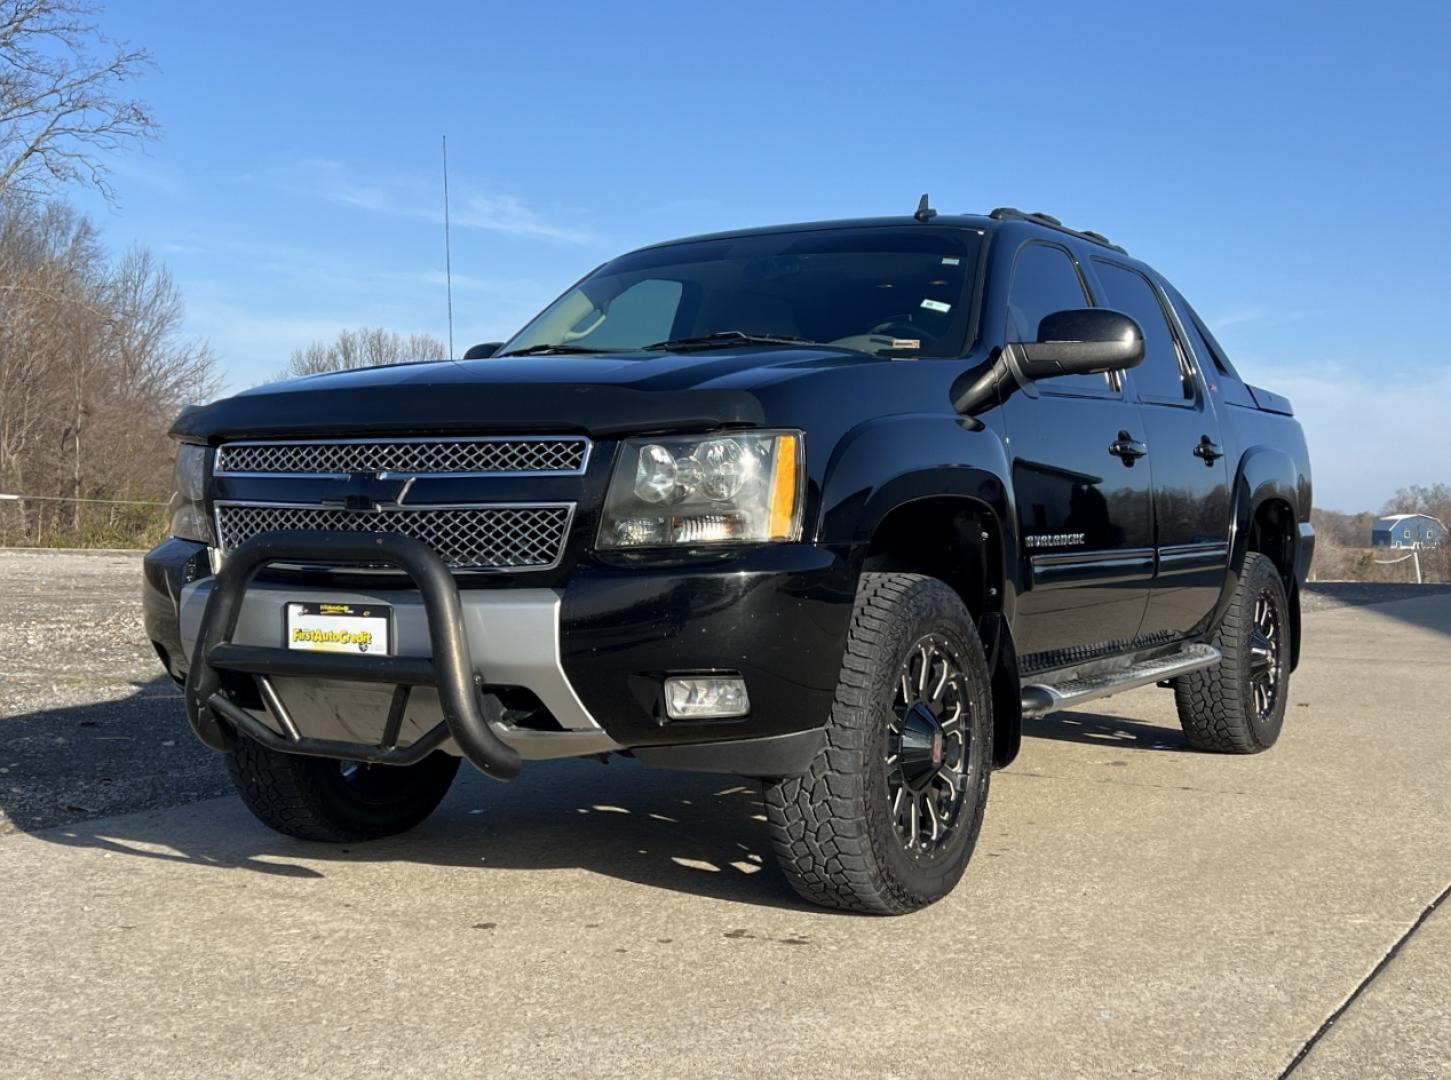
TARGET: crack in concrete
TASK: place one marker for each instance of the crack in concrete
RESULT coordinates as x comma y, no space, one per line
1364,984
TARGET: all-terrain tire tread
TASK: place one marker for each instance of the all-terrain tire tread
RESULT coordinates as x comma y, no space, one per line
286,792
281,795
816,822
1212,703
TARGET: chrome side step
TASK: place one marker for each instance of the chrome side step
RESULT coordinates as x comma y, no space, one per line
1040,699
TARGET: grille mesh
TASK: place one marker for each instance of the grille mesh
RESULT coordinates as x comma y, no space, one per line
475,538
443,456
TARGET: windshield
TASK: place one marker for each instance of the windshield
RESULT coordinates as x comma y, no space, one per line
900,291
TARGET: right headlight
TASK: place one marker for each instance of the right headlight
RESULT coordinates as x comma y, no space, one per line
720,489
189,520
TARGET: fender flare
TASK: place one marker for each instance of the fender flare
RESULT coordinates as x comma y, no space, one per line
1266,473
882,464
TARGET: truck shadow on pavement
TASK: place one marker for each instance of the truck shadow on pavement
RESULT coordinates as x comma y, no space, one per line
1098,729
135,760
124,747
127,777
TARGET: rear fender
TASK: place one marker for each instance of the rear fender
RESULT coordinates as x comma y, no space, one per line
1264,474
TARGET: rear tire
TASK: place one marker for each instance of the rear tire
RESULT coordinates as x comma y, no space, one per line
1238,706
337,801
886,818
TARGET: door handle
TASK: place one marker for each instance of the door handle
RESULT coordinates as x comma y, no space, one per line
1128,448
1209,450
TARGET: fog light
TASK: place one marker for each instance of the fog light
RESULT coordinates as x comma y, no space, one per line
701,696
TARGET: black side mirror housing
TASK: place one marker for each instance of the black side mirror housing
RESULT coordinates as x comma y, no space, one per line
484,351
1082,341
1079,341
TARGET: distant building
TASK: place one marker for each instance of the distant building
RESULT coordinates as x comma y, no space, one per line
1408,531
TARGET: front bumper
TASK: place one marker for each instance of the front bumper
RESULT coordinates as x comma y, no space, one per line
594,653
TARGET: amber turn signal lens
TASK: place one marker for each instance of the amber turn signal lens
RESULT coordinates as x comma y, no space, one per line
785,488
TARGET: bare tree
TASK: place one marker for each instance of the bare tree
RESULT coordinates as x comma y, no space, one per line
1432,499
1335,529
62,105
367,347
92,372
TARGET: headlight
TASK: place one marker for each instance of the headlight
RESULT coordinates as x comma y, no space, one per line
722,489
189,519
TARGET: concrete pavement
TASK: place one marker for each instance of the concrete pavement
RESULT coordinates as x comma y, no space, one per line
1134,908
1400,1025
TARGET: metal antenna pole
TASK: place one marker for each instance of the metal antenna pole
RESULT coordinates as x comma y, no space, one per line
447,249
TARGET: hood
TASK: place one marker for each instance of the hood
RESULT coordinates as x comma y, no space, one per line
603,395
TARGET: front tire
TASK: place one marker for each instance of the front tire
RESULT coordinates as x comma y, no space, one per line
887,817
337,801
1238,706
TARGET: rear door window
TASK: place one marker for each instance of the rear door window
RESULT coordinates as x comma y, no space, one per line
1162,377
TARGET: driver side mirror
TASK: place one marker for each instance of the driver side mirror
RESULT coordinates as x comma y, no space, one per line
1081,341
484,351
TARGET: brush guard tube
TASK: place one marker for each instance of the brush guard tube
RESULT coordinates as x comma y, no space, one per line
214,718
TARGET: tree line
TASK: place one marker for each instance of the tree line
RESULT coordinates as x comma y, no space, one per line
94,364
1353,530
1343,543
93,369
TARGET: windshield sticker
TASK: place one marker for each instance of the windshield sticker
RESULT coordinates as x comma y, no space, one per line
950,260
906,343
937,305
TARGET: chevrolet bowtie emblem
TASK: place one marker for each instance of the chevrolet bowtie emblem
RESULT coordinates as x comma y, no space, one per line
368,491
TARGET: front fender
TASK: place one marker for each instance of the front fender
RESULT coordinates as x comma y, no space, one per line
886,463
881,464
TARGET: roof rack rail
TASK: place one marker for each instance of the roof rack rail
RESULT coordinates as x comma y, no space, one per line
1009,213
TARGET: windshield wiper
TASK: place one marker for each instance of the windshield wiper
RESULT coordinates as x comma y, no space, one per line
726,338
558,350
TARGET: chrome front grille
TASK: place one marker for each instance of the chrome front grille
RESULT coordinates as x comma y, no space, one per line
466,538
482,456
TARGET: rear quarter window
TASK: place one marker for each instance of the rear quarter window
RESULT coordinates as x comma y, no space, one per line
1217,369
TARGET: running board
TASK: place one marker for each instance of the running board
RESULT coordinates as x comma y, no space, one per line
1040,699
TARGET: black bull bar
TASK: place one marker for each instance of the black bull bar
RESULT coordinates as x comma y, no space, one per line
216,718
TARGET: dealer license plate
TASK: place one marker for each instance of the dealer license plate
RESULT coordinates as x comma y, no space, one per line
344,628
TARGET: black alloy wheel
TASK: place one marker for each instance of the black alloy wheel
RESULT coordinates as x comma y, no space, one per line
928,745
1264,650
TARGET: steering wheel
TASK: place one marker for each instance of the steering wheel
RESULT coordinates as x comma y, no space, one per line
899,327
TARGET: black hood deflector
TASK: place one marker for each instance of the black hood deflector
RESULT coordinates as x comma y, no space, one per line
600,411
603,396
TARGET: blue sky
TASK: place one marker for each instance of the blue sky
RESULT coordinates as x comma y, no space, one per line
1286,165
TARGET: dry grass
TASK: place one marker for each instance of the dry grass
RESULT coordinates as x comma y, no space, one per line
1334,563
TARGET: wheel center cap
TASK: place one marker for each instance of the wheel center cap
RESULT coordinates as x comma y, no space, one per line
924,746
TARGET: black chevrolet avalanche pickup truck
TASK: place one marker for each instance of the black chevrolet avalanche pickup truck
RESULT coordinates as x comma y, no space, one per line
835,506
